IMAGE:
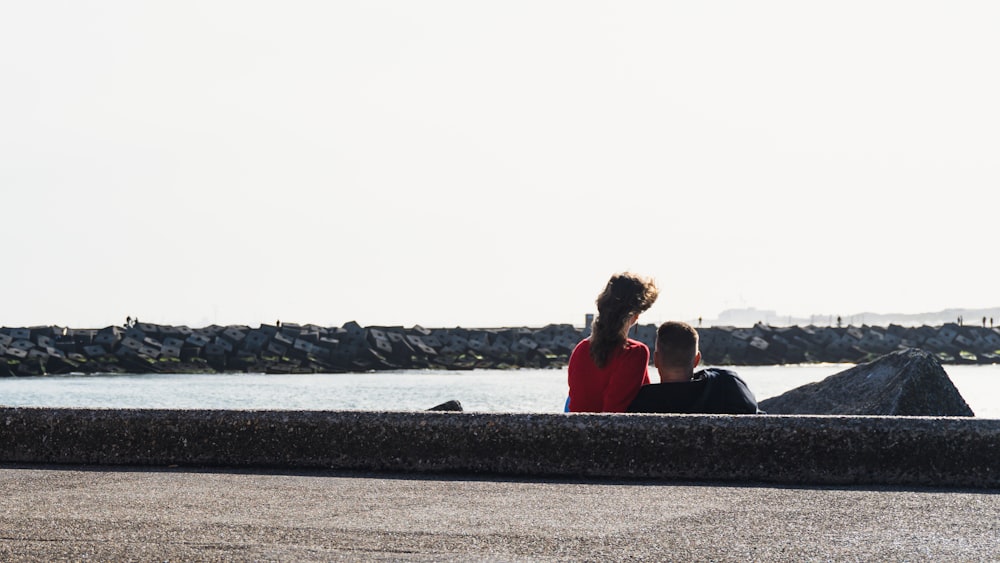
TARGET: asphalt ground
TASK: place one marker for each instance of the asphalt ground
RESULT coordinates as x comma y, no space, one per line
175,514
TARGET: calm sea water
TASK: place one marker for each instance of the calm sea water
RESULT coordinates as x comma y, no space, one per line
480,390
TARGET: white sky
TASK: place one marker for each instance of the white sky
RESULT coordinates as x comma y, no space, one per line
491,164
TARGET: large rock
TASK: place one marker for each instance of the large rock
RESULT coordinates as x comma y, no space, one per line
904,383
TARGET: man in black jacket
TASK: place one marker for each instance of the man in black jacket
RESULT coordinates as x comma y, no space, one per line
681,389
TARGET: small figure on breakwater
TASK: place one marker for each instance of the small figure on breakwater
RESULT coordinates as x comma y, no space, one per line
607,368
681,389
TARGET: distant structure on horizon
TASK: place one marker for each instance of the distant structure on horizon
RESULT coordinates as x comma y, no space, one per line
750,316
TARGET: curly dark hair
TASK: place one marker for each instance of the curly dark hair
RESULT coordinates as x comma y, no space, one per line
625,295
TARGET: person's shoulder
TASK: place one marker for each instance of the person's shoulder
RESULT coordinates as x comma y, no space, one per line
720,377
717,373
633,344
636,349
727,385
582,350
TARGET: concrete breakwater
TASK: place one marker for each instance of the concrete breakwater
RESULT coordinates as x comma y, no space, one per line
931,451
293,348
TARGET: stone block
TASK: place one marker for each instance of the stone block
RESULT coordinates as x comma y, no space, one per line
198,340
936,343
905,383
108,337
135,334
325,347
17,353
544,337
524,345
168,331
310,335
380,344
568,342
417,343
420,331
189,352
54,352
353,328
226,345
400,345
947,333
149,352
82,335
284,338
20,333
303,345
125,352
170,351
234,335
22,345
95,351
992,338
441,334
211,330
67,344
458,341
147,328
479,341
269,330
37,353
277,348
643,333
131,343
5,339
255,341
212,350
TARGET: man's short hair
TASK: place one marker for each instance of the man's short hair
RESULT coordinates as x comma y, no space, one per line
676,343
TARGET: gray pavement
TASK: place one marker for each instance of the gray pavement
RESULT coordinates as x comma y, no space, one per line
119,514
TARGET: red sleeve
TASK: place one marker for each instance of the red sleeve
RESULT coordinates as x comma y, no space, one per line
630,374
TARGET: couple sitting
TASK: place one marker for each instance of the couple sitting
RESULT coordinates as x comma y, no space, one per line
608,372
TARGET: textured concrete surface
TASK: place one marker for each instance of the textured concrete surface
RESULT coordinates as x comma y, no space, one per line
958,452
121,514
905,383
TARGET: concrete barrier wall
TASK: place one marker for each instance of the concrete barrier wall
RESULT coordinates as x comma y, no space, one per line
801,450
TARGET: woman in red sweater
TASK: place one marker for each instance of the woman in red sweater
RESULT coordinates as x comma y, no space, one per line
607,369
